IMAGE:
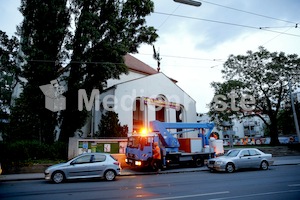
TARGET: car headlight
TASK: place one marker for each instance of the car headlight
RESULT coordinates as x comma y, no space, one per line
47,171
219,162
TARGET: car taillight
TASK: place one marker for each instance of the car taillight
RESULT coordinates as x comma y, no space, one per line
116,163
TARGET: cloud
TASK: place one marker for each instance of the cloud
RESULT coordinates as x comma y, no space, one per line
191,49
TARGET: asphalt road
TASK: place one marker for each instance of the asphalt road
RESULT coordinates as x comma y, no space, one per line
279,182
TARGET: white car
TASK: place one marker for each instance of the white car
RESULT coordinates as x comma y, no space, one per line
87,165
241,158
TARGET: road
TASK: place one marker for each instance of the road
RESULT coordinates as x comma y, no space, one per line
279,182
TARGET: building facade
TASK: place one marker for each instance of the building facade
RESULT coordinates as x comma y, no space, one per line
141,96
247,127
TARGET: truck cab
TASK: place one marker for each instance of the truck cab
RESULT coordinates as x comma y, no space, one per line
139,149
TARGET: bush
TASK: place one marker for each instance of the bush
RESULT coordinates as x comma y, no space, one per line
24,153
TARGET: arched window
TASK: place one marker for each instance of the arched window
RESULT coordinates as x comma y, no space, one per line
160,113
160,110
138,115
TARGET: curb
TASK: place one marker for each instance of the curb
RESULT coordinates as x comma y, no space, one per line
40,176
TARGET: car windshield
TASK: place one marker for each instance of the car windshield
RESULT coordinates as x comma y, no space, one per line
232,153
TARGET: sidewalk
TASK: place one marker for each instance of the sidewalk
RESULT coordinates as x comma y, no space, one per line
287,160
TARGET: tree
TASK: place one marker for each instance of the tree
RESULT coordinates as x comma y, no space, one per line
110,126
263,76
105,32
42,32
8,75
90,53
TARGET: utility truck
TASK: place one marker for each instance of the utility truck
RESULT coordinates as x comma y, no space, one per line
174,150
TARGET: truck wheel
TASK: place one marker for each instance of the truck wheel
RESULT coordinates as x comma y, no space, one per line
198,162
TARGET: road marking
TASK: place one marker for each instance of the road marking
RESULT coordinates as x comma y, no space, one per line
294,185
192,195
258,194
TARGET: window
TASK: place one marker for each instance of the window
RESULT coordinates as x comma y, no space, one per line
83,159
232,153
253,152
160,113
245,153
98,158
138,115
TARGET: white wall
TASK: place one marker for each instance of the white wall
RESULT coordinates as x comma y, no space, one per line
124,78
151,86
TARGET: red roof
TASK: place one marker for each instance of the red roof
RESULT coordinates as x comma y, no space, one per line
136,65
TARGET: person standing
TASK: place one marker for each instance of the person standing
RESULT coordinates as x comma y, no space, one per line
156,158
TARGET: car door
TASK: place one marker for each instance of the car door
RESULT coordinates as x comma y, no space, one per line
79,167
255,158
244,159
98,164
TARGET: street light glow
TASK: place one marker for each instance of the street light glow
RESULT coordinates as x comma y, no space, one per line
189,2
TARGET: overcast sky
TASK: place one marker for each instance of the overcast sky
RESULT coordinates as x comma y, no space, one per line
195,41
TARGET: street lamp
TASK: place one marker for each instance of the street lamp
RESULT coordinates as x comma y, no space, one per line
189,2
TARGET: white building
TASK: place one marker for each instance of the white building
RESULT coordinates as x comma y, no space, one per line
141,96
247,127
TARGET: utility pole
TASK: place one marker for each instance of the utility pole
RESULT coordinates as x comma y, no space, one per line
294,110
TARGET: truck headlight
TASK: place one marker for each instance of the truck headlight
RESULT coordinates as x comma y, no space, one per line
138,163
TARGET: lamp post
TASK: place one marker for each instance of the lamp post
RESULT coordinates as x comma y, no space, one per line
189,2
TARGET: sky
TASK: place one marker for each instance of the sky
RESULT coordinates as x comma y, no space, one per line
194,42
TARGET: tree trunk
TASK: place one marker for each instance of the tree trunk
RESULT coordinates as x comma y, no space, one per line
274,132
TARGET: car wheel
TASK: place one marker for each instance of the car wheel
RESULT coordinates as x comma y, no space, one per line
58,177
230,168
109,175
198,162
264,165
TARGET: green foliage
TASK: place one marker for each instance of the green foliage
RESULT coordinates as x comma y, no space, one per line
105,32
17,154
226,89
286,124
42,32
263,75
8,76
109,126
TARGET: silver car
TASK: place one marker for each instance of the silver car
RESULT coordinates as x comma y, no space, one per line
87,165
241,158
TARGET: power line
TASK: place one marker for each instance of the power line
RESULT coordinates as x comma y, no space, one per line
227,23
296,26
276,36
252,13
56,62
168,17
183,57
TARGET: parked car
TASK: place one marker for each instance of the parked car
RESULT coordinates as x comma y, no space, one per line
240,158
87,165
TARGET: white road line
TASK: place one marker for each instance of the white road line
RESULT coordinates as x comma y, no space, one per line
192,195
258,194
294,185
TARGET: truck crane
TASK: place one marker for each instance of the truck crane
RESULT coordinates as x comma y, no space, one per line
174,151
